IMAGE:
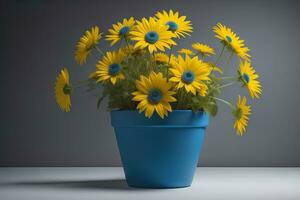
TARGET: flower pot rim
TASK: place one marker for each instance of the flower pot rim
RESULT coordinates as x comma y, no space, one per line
176,118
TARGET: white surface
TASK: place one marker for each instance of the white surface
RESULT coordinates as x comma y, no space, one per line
109,183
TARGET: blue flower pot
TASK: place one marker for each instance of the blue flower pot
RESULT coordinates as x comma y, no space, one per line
159,153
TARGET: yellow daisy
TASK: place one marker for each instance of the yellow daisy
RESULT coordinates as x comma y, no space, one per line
161,57
186,52
191,73
86,44
203,49
154,94
63,90
249,77
110,67
152,35
214,67
231,40
130,50
164,58
175,23
241,114
120,31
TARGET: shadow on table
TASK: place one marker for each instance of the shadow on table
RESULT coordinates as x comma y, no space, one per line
114,184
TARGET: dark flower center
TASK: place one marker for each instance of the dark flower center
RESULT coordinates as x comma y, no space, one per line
154,96
67,89
124,30
188,77
172,26
151,37
238,113
229,39
114,69
246,78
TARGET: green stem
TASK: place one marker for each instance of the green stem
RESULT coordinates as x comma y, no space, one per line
199,53
126,40
99,50
154,62
220,56
149,63
228,77
80,83
202,56
226,85
180,98
170,54
224,101
226,68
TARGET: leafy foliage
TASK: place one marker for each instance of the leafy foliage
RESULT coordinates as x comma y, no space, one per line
120,95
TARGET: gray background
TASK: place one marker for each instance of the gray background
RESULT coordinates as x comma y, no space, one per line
38,38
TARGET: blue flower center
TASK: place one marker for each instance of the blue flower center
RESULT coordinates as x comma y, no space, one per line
151,37
114,69
67,89
228,39
172,26
124,30
154,96
188,77
246,78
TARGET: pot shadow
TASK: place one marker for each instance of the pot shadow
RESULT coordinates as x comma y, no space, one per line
109,184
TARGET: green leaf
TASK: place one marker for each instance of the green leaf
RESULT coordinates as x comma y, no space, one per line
100,100
211,108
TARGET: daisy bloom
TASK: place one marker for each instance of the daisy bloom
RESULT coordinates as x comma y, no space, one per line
175,23
63,90
153,35
214,67
249,78
86,43
186,52
241,114
154,94
120,31
110,67
161,57
232,41
191,74
203,49
164,58
130,50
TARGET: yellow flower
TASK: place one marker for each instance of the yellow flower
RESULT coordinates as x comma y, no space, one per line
249,78
214,67
164,58
63,90
175,23
186,52
154,94
161,57
130,50
191,73
86,44
120,31
203,49
231,40
241,114
152,35
110,67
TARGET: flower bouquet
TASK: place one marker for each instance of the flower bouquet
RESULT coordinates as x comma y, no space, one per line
160,99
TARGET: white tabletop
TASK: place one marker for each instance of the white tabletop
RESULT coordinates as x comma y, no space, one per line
108,183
